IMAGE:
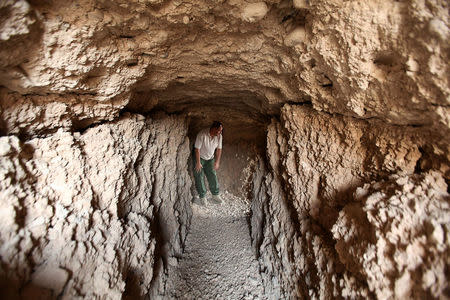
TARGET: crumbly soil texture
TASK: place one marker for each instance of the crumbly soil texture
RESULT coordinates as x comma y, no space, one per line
218,262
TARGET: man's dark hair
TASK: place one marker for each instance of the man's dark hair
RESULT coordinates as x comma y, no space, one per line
216,124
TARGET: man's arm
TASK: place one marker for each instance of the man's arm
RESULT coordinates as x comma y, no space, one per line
218,155
198,165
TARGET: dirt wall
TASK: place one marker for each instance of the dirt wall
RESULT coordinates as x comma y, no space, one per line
94,214
321,229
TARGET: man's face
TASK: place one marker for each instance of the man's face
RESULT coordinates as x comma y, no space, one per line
216,131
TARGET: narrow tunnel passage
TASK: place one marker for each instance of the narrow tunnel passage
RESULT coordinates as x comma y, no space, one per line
218,260
336,164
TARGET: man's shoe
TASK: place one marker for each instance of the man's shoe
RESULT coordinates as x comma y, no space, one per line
215,199
199,201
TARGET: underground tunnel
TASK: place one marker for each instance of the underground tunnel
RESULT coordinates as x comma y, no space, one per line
335,167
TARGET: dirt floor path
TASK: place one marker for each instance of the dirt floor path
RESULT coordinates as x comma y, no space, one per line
218,262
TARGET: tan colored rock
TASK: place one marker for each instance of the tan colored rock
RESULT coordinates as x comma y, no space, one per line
50,277
365,59
92,191
19,30
403,240
72,205
296,37
300,3
254,12
317,162
106,51
36,114
328,156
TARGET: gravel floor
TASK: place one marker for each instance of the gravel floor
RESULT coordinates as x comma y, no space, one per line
218,262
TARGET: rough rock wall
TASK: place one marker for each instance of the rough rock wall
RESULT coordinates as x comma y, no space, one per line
308,211
395,235
236,168
381,59
97,214
374,59
28,115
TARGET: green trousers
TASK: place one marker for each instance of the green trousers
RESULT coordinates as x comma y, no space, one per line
211,175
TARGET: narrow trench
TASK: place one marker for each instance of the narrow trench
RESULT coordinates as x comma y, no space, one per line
218,261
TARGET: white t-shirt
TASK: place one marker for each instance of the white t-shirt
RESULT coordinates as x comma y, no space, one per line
207,144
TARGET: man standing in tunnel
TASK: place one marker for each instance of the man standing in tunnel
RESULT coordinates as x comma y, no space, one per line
207,153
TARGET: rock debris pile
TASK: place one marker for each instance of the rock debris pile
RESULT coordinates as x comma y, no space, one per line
337,129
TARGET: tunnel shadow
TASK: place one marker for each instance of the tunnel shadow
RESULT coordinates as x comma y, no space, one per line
132,288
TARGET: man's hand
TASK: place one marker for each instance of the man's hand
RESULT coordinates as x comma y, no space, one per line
217,161
198,165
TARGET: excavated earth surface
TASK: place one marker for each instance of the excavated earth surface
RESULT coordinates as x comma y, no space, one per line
336,150
218,262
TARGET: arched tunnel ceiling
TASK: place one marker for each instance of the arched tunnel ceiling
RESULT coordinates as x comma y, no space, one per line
379,60
243,105
244,114
325,184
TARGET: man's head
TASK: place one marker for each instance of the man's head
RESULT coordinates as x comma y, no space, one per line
216,128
